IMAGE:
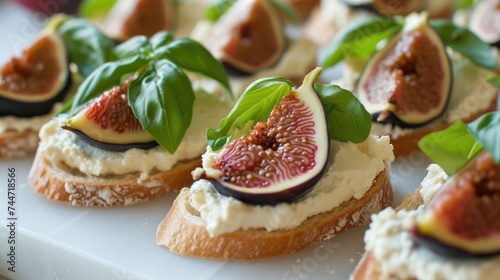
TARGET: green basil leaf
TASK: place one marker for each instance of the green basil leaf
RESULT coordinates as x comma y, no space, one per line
103,78
192,56
347,118
486,129
465,42
217,8
161,39
95,8
88,47
133,46
463,4
451,148
494,80
254,105
360,40
162,99
287,10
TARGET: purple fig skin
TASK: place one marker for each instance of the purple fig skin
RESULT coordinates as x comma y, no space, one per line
110,146
443,249
271,197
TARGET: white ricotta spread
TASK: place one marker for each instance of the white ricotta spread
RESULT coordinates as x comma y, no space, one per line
398,256
60,145
350,174
15,124
297,60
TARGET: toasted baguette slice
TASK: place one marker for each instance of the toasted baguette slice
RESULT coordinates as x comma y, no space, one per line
61,182
368,267
184,232
407,144
18,144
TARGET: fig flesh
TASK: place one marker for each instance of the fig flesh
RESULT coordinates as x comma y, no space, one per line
108,123
463,218
279,160
248,37
485,21
408,83
31,84
139,17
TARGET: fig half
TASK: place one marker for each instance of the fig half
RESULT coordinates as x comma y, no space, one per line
109,123
485,21
408,83
463,219
139,17
280,160
248,37
31,84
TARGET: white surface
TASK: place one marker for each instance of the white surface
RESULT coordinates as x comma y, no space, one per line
57,241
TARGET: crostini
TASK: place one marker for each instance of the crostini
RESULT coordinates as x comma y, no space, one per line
135,128
299,175
34,85
448,229
252,40
414,76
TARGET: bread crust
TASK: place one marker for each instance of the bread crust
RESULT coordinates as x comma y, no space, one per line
407,144
18,144
368,268
62,183
183,231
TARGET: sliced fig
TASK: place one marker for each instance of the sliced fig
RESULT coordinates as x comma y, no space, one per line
31,84
248,37
408,83
281,159
463,219
109,123
392,8
139,17
485,21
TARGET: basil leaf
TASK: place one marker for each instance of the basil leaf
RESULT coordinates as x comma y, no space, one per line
494,80
217,8
486,129
103,78
360,40
465,42
162,99
192,56
133,46
287,10
88,47
254,105
347,118
95,8
161,39
451,148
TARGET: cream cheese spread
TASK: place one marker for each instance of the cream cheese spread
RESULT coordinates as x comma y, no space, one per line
351,172
398,256
60,145
15,124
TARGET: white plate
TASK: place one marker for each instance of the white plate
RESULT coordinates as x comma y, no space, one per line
57,241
